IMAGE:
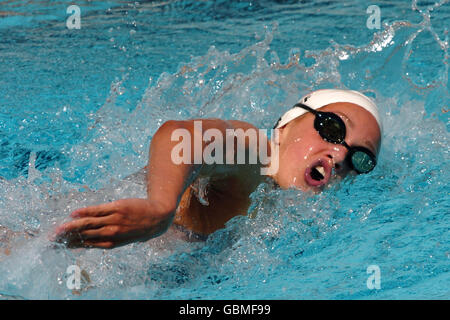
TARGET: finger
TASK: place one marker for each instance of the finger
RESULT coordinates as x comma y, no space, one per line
78,243
110,231
98,244
83,224
95,211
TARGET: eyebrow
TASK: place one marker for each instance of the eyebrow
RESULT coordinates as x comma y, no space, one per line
347,119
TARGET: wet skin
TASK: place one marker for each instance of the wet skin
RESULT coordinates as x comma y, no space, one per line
171,198
302,148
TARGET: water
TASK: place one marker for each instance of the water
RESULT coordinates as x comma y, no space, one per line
78,109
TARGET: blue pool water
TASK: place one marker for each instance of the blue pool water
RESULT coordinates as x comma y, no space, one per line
78,109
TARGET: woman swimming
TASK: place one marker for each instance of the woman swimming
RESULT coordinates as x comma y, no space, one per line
328,133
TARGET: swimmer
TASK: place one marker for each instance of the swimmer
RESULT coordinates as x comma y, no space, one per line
328,133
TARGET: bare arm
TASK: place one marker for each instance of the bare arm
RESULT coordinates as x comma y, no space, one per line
128,220
166,180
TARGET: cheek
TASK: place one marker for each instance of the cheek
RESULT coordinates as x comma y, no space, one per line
293,164
301,150
293,155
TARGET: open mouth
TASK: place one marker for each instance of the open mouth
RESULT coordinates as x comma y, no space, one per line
318,174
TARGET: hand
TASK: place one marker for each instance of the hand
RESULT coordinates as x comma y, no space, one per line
114,224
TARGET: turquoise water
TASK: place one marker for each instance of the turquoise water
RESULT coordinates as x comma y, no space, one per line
78,109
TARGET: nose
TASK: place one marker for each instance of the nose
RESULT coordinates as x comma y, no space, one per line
337,153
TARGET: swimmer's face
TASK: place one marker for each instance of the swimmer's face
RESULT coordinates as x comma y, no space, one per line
306,160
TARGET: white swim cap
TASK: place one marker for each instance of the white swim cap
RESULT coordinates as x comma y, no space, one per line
323,97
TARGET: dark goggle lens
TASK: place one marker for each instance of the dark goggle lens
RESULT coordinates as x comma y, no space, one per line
330,127
362,161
